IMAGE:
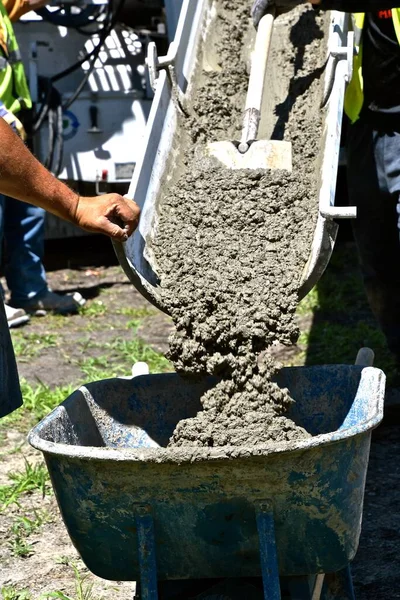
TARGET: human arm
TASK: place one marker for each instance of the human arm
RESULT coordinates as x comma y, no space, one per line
18,8
23,177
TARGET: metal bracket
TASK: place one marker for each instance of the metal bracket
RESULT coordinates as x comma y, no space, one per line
155,63
336,54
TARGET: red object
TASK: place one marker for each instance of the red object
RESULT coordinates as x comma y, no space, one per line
385,14
104,175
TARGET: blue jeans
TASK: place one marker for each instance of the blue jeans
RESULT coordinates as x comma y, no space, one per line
373,173
22,229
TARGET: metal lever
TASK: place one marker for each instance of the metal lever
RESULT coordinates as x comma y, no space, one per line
365,357
337,54
155,63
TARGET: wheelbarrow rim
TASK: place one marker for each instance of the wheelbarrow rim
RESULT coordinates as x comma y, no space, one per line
176,455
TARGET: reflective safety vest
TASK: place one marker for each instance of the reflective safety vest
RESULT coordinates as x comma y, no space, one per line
14,91
354,97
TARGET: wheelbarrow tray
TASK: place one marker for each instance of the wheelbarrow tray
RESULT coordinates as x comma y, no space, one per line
105,449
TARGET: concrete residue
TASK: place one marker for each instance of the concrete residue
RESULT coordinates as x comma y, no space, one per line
231,245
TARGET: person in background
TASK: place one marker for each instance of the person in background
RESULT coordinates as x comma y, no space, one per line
372,105
23,177
22,225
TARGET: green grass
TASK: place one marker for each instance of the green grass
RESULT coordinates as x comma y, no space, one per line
30,345
22,528
137,313
133,324
116,359
136,350
94,308
333,342
39,400
309,304
10,592
95,368
121,355
83,588
33,478
340,321
20,547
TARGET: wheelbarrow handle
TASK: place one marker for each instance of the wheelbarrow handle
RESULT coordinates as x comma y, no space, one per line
365,357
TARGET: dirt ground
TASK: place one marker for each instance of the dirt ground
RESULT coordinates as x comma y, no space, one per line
73,348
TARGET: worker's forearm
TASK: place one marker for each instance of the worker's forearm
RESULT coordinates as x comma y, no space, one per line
353,6
24,178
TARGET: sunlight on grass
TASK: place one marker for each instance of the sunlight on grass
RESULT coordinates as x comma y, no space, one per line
137,313
309,304
83,588
34,478
93,308
136,350
117,359
336,343
10,592
96,368
22,527
39,400
30,345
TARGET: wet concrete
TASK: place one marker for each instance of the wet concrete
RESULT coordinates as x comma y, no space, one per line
231,245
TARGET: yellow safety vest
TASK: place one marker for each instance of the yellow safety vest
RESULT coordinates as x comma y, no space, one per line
354,97
14,91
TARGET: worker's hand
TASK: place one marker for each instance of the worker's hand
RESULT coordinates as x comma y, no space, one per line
261,7
110,214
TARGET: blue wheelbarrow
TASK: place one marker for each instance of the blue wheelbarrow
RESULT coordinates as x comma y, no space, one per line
272,522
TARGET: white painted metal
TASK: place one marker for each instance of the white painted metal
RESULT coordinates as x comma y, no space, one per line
326,227
157,151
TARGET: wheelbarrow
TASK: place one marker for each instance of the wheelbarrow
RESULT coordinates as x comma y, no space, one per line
274,521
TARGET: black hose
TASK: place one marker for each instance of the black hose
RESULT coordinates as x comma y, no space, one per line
108,21
51,140
90,56
59,140
55,125
90,32
42,114
52,107
95,54
85,17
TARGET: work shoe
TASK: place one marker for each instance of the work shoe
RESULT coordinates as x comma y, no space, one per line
55,303
15,316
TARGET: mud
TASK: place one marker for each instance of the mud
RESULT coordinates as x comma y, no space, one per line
231,245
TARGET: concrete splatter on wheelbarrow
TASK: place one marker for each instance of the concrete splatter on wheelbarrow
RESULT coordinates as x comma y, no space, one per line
232,245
